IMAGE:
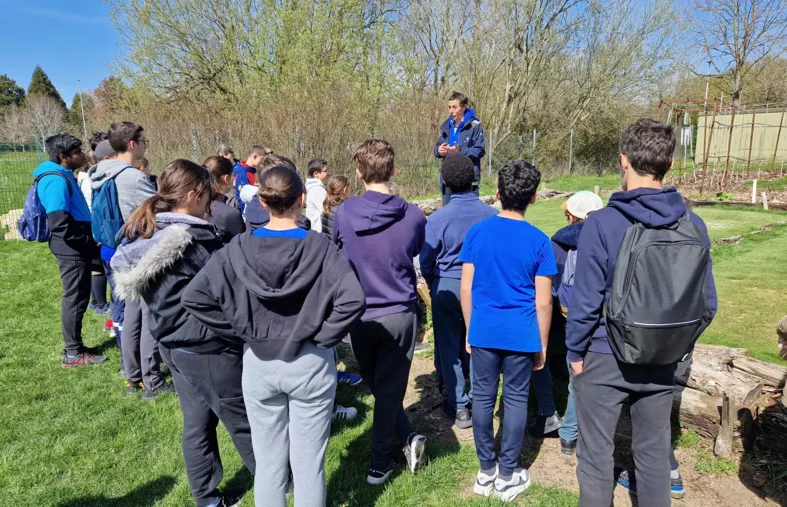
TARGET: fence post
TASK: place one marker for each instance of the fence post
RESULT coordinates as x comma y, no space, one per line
764,201
778,135
570,151
194,143
297,146
534,148
491,150
754,192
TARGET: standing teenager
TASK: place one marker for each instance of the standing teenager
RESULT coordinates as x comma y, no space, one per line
291,296
316,193
223,214
338,191
167,241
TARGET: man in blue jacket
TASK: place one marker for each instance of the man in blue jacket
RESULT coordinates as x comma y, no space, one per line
461,133
68,218
601,383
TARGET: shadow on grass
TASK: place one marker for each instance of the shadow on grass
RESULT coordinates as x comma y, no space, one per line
143,496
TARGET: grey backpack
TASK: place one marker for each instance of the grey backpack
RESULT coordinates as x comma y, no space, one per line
657,308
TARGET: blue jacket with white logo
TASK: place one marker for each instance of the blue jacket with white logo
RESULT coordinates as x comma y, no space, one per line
469,136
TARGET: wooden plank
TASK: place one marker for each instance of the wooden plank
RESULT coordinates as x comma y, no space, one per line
723,445
426,297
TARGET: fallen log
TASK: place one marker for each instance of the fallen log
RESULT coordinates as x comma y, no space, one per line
699,411
772,374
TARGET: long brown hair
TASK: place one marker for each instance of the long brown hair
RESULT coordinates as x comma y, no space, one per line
178,179
336,186
218,168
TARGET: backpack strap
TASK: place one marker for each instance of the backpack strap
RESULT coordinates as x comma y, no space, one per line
68,183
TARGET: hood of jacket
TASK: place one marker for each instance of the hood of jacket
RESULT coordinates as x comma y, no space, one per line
653,207
373,211
467,120
312,183
139,261
272,277
106,170
568,237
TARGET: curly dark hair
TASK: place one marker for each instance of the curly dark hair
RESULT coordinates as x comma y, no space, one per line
649,145
517,182
458,172
96,138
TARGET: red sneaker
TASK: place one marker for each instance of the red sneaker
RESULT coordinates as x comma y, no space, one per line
81,359
108,324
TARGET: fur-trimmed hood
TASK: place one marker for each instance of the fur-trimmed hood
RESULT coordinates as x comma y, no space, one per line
138,262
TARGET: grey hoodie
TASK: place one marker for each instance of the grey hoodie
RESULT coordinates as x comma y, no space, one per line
315,198
134,187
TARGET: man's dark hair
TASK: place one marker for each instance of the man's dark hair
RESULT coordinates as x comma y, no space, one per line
650,146
315,166
517,181
458,172
260,150
461,97
122,133
97,138
61,145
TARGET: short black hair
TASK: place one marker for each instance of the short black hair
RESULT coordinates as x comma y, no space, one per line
123,132
61,145
458,172
517,182
649,146
97,138
315,166
461,97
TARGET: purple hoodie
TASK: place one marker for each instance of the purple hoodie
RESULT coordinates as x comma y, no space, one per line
381,234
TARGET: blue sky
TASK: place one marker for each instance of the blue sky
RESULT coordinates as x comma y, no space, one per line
70,39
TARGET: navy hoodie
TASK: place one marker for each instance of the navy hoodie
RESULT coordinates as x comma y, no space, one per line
381,234
599,243
564,240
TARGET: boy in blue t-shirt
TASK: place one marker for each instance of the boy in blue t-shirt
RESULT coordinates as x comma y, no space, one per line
506,294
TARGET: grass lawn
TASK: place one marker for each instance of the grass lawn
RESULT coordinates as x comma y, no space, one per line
71,438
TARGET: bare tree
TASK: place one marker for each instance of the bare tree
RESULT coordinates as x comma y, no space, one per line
12,127
737,35
43,117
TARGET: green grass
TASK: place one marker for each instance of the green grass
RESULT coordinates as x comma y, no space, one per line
780,184
71,438
708,463
16,176
572,182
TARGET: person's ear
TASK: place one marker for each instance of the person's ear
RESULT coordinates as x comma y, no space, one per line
299,202
358,173
394,172
533,197
497,194
624,163
191,195
225,180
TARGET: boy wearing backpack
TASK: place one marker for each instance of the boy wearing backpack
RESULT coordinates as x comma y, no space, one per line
68,219
643,293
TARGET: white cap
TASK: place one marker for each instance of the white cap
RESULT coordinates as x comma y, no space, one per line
583,203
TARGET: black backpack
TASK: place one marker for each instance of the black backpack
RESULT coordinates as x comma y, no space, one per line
657,309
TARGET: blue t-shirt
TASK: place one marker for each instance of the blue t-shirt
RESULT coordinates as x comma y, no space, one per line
507,256
297,233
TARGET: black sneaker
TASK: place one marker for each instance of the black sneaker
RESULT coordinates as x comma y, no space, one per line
152,394
377,477
568,447
545,425
132,388
464,418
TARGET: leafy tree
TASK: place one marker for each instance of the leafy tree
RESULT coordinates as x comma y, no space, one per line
10,92
42,85
75,114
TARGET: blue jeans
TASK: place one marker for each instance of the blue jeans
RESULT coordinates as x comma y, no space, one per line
568,430
451,356
542,385
486,365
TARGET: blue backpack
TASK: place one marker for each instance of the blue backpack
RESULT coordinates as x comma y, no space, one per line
32,224
106,218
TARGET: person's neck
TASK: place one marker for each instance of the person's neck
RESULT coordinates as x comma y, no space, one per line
127,157
382,188
512,215
636,181
281,224
186,211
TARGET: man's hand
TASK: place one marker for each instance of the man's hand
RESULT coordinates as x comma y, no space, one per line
540,361
442,150
453,149
783,348
467,345
577,367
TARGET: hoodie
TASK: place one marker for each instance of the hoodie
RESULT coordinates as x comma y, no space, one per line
599,243
227,219
277,294
133,186
243,174
156,270
381,234
315,199
564,241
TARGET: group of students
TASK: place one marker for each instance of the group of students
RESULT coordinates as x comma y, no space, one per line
247,322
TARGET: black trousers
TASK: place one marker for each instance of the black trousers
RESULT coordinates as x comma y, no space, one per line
210,390
384,350
76,278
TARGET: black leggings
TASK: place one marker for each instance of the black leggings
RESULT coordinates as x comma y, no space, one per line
98,291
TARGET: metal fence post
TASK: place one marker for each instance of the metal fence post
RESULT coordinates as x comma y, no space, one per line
194,143
534,148
570,151
491,149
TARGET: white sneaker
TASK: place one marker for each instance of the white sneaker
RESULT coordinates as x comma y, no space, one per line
507,491
484,484
341,413
414,452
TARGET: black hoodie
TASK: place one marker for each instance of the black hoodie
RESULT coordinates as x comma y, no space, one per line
277,293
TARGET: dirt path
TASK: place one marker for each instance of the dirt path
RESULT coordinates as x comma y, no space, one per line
551,468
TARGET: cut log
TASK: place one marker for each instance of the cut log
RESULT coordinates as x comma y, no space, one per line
772,374
699,411
742,388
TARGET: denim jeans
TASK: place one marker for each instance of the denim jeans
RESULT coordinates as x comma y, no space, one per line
450,333
568,430
542,385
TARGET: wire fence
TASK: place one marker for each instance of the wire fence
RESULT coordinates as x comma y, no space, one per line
17,163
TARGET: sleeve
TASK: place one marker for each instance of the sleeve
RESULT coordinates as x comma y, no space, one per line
476,148
146,188
590,284
428,257
337,221
348,306
53,193
441,138
468,247
87,191
234,223
247,193
420,233
200,301
546,265
560,264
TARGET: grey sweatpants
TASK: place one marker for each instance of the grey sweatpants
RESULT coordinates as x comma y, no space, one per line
599,393
290,405
139,350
